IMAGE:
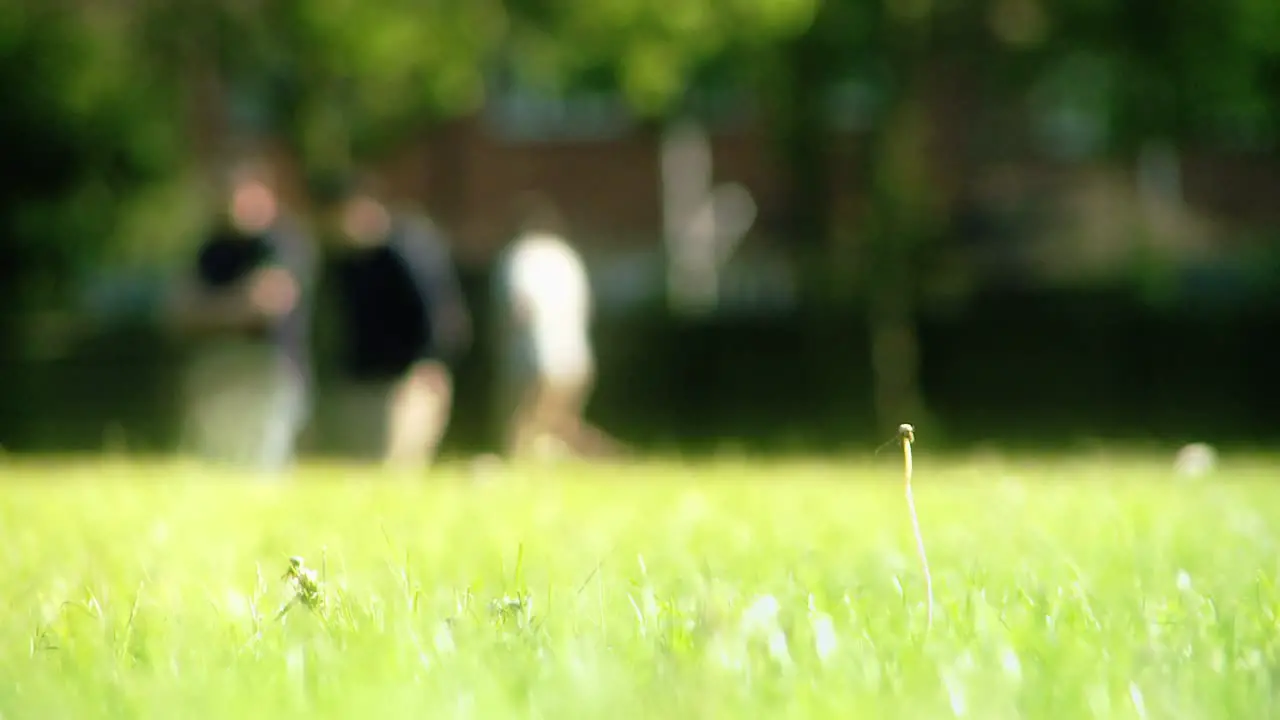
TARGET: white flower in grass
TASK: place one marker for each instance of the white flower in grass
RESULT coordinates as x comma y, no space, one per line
760,621
1139,704
1195,460
761,616
236,604
1184,581
443,640
1011,664
824,632
295,664
778,650
955,694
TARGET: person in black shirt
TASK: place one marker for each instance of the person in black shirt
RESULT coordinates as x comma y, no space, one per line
402,322
245,306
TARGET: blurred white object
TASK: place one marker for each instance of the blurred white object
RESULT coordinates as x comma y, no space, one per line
1195,460
546,361
485,467
244,405
548,281
549,448
703,223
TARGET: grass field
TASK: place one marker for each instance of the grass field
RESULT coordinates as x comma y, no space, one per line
1067,588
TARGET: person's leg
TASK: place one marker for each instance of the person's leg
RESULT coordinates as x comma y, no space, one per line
534,421
418,413
566,409
210,415
508,401
253,408
219,384
283,417
358,424
200,398
521,395
198,419
557,422
440,385
562,408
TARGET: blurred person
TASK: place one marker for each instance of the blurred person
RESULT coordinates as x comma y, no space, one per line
245,303
402,324
546,361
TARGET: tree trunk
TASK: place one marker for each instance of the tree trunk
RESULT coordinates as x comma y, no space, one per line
901,217
895,354
802,133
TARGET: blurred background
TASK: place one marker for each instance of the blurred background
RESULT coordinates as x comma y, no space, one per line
1027,222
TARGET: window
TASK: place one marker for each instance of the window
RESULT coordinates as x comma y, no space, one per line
516,112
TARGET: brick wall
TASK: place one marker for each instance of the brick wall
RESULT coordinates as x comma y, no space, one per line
608,191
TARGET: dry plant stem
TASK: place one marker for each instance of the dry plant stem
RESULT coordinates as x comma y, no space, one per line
908,436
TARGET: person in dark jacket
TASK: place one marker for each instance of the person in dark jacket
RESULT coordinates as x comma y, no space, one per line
244,304
402,324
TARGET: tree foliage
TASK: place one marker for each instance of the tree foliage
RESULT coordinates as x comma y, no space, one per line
79,134
93,98
338,76
651,49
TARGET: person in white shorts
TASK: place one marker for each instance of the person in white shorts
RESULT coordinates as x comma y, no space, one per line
545,355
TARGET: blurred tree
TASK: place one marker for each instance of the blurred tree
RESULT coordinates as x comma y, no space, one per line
376,71
89,99
338,78
1111,79
650,49
359,77
333,79
83,139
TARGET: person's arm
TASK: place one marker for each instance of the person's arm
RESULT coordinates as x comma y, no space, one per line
512,296
521,305
194,306
438,285
294,252
588,296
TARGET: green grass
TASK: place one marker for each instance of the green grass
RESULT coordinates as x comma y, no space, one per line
1065,588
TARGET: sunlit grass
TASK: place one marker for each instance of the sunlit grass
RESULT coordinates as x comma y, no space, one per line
1065,589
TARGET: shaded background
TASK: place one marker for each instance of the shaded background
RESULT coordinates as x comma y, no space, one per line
1033,222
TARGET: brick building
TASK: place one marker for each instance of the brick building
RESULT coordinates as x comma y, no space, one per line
603,168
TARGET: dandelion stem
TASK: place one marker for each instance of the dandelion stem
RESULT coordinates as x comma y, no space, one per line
908,436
